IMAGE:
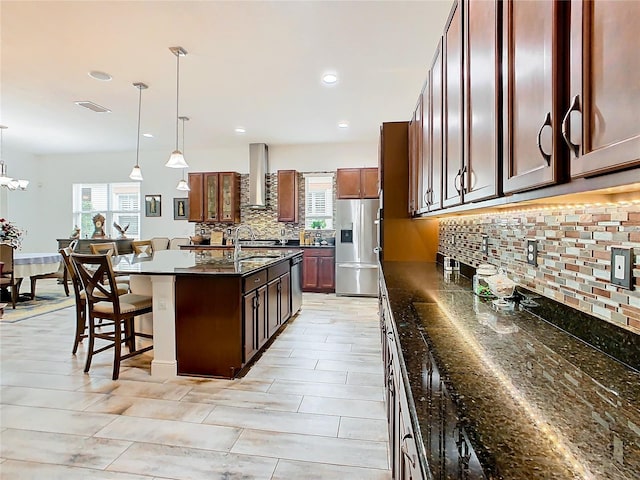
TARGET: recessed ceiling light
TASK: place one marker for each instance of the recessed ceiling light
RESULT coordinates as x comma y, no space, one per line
148,135
240,130
329,78
98,75
343,125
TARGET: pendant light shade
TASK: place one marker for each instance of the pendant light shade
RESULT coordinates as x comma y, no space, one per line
136,172
176,160
6,180
183,186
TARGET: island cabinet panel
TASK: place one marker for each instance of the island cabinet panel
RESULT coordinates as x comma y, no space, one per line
288,210
601,125
318,270
250,347
209,330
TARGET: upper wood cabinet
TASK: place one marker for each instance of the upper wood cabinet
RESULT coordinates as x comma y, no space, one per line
452,166
415,160
357,182
288,196
214,197
532,91
481,73
601,124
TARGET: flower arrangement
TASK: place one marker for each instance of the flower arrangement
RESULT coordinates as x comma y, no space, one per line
10,234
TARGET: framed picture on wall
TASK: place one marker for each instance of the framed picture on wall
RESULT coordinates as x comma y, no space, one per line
152,205
180,208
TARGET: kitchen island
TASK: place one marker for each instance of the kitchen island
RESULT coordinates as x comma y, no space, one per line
211,314
474,393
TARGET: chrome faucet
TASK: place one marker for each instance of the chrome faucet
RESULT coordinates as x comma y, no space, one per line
236,241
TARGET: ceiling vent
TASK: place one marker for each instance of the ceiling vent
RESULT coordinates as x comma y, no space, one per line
93,106
258,168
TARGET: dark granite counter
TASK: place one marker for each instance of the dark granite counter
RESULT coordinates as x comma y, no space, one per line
202,261
533,401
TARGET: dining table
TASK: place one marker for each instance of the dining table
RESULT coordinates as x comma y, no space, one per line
34,265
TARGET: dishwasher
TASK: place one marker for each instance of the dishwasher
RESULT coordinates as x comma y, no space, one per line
296,284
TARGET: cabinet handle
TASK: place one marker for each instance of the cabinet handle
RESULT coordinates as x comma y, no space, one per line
405,450
547,123
463,178
455,181
575,107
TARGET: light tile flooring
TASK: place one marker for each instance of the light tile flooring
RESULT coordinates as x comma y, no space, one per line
310,408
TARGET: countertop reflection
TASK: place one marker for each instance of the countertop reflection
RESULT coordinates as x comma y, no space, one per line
536,402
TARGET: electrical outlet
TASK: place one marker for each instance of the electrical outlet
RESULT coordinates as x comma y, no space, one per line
622,267
485,244
532,252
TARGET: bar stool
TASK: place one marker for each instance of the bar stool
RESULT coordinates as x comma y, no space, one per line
104,303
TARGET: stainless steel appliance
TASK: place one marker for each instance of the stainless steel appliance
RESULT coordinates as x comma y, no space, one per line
296,284
356,247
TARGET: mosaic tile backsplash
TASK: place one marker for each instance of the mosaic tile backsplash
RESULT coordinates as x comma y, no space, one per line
574,253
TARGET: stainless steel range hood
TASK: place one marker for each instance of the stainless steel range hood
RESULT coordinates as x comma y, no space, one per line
258,169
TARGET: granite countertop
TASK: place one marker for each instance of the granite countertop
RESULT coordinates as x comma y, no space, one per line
533,401
202,261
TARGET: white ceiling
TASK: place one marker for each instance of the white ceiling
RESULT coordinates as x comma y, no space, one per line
254,64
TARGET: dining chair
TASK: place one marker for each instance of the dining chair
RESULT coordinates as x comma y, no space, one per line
61,274
80,296
7,279
159,243
103,302
110,248
142,246
175,242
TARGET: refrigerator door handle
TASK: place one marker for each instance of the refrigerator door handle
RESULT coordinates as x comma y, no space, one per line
357,265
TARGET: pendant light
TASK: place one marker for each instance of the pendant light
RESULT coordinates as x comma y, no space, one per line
176,160
136,173
183,186
5,180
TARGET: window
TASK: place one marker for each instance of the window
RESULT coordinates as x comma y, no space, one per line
117,202
318,201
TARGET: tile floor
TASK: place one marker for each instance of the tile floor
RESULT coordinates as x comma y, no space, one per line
311,407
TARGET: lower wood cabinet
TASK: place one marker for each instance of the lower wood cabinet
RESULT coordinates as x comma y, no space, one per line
318,269
223,321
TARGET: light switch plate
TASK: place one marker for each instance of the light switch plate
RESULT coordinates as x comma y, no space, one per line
485,244
622,267
532,252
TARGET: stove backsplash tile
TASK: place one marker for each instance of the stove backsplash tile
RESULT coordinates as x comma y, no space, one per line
574,253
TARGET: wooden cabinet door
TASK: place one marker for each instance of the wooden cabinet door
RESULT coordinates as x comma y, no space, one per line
481,75
211,197
273,309
348,182
602,123
327,273
249,321
310,273
285,297
288,196
262,330
196,197
424,184
452,169
229,197
414,166
531,85
369,182
436,126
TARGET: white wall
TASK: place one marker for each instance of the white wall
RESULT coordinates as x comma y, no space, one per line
44,210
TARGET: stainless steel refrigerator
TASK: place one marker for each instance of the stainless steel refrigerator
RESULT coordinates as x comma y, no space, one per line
356,252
